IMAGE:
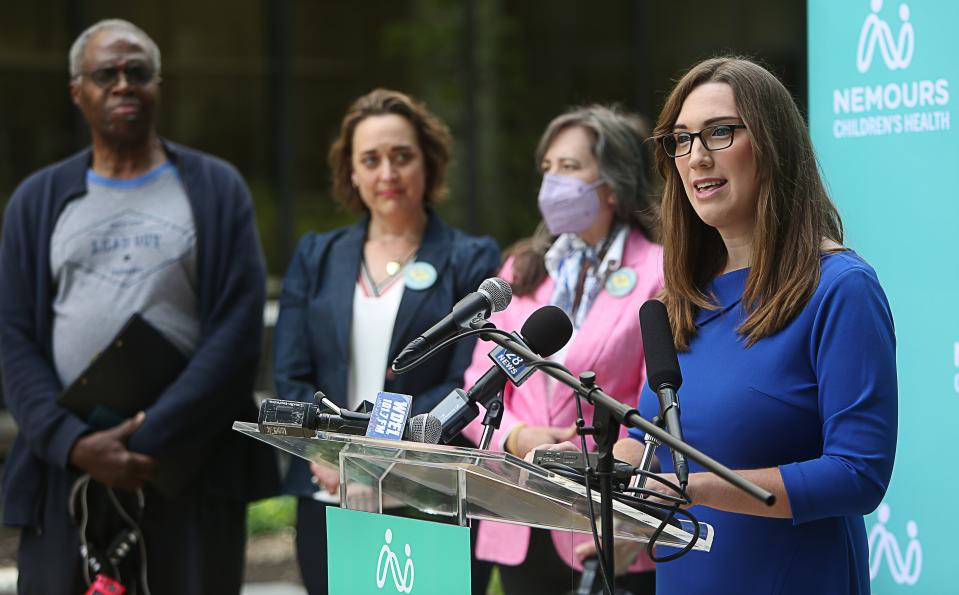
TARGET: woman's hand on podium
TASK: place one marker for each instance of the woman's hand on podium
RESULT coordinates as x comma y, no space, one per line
326,478
530,438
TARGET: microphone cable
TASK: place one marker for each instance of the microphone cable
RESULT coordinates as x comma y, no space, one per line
587,473
671,510
666,513
445,343
538,364
79,493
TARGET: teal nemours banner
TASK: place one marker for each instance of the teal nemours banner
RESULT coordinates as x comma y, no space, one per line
881,85
382,554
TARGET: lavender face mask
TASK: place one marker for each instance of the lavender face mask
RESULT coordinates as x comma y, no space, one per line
568,205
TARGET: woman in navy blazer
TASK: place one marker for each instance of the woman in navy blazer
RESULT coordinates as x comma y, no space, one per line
399,268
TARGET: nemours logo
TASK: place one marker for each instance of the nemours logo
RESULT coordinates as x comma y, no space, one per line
389,563
876,32
904,566
897,49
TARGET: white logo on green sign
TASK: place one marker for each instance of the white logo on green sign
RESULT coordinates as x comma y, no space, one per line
886,145
389,563
877,33
878,105
373,553
904,567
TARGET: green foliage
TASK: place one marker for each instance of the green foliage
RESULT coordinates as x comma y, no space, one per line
270,515
495,586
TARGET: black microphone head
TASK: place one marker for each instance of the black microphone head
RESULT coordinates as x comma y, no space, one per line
498,292
662,365
547,330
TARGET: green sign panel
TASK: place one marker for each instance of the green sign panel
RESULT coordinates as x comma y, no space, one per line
881,78
382,554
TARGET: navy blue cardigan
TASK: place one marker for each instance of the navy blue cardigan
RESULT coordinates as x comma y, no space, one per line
312,337
191,421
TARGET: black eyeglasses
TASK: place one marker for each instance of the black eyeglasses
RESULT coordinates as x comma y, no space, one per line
135,74
714,138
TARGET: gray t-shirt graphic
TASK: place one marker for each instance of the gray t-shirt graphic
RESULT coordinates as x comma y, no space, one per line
126,246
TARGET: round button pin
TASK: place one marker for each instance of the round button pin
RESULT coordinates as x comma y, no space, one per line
419,275
621,282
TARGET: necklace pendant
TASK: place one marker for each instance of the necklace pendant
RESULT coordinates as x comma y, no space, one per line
392,267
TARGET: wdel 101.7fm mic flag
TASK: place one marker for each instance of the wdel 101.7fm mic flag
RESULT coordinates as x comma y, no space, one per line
493,295
663,373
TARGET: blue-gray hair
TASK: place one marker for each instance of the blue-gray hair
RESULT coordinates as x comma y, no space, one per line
619,146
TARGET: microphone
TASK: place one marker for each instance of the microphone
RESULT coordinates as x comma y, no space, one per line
663,374
295,418
493,295
544,333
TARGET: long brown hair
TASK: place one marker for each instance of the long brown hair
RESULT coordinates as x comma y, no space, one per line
433,136
622,158
793,214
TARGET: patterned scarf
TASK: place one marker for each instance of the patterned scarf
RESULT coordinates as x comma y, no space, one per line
567,257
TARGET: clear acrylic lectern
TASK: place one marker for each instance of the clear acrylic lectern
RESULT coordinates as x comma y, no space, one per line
464,483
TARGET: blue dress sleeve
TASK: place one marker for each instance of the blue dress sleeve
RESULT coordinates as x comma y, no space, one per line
852,347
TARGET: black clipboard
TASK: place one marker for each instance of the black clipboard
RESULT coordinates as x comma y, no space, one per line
126,377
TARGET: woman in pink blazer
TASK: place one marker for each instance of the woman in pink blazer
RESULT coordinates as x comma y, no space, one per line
593,257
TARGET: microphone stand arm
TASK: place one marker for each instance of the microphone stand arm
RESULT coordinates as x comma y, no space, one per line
630,418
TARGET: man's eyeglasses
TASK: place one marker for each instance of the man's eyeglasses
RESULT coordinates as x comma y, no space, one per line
714,138
135,74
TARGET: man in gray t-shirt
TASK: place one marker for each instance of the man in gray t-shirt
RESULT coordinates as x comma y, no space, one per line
133,225
132,244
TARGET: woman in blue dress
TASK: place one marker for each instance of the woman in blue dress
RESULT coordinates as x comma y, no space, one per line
785,340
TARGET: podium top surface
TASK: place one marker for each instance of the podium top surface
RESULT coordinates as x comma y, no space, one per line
480,484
